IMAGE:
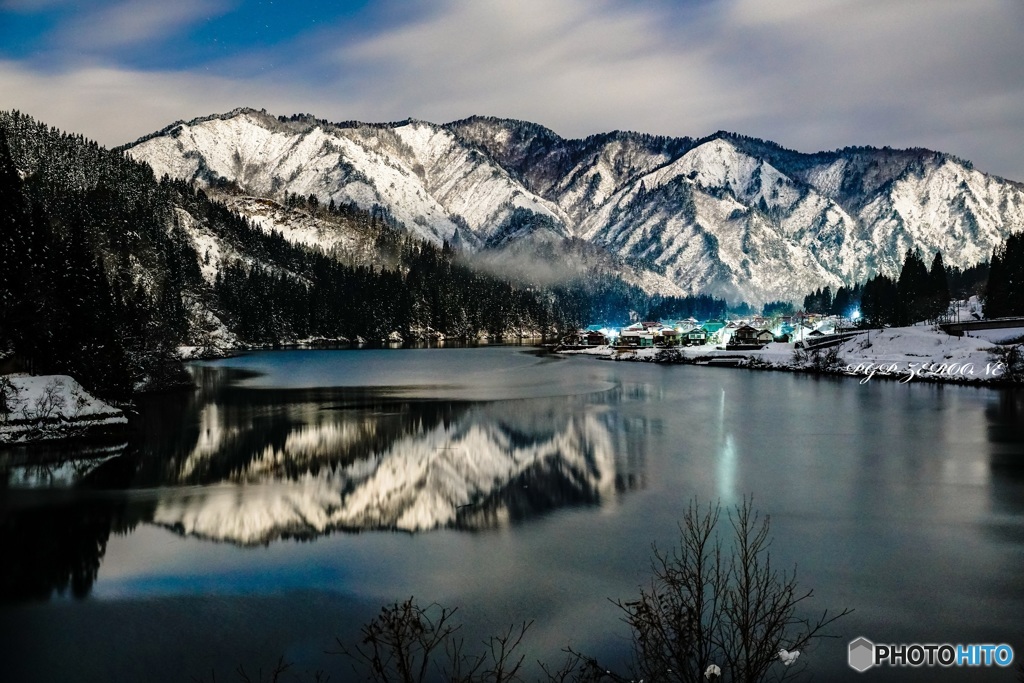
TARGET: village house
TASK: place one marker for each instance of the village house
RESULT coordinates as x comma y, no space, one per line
668,336
744,337
638,335
715,330
697,336
585,339
687,325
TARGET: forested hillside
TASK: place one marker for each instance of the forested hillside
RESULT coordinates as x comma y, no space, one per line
92,273
105,270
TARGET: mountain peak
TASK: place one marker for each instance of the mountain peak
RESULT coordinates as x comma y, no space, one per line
517,127
747,218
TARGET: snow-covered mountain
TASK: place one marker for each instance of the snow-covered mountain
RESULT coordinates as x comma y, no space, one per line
727,215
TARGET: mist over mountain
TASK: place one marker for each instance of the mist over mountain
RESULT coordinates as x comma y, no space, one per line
728,215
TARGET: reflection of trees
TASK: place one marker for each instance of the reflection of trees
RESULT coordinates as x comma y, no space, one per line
54,548
1005,433
221,431
57,546
321,460
1005,417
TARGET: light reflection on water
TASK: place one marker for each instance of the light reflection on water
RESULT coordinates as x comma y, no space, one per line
534,487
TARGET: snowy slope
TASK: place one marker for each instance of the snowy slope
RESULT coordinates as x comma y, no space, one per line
720,218
45,407
945,206
416,170
302,227
726,215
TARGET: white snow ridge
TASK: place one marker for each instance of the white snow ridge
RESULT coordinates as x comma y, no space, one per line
727,215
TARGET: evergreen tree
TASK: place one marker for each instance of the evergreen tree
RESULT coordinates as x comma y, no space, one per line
14,231
1004,293
913,289
879,303
939,286
774,308
841,304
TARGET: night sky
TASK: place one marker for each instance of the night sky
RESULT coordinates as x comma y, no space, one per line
809,74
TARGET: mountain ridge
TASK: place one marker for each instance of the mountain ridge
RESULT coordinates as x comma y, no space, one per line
726,214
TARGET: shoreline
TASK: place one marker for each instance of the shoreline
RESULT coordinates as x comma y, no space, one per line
910,354
187,354
54,408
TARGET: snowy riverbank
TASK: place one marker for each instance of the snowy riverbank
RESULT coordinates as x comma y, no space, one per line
50,407
902,353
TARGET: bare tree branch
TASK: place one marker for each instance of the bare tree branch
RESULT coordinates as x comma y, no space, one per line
732,609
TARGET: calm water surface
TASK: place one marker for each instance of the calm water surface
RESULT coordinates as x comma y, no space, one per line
295,492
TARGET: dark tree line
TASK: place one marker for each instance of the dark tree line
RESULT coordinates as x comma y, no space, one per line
919,293
701,307
608,300
967,282
1004,293
772,308
430,292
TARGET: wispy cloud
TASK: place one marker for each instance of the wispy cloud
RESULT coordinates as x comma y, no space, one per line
576,66
116,106
811,74
884,72
133,22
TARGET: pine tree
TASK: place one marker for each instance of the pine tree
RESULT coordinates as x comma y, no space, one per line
841,303
1004,293
996,295
913,290
14,227
939,287
879,302
1015,271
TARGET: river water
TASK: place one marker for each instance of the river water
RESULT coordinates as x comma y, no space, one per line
295,492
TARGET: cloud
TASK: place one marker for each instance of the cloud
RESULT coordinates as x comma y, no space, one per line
116,106
810,74
933,73
32,5
576,66
133,22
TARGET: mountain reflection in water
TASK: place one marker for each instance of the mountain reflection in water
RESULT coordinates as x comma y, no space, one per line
250,458
368,462
241,463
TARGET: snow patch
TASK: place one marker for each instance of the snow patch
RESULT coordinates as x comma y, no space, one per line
47,407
